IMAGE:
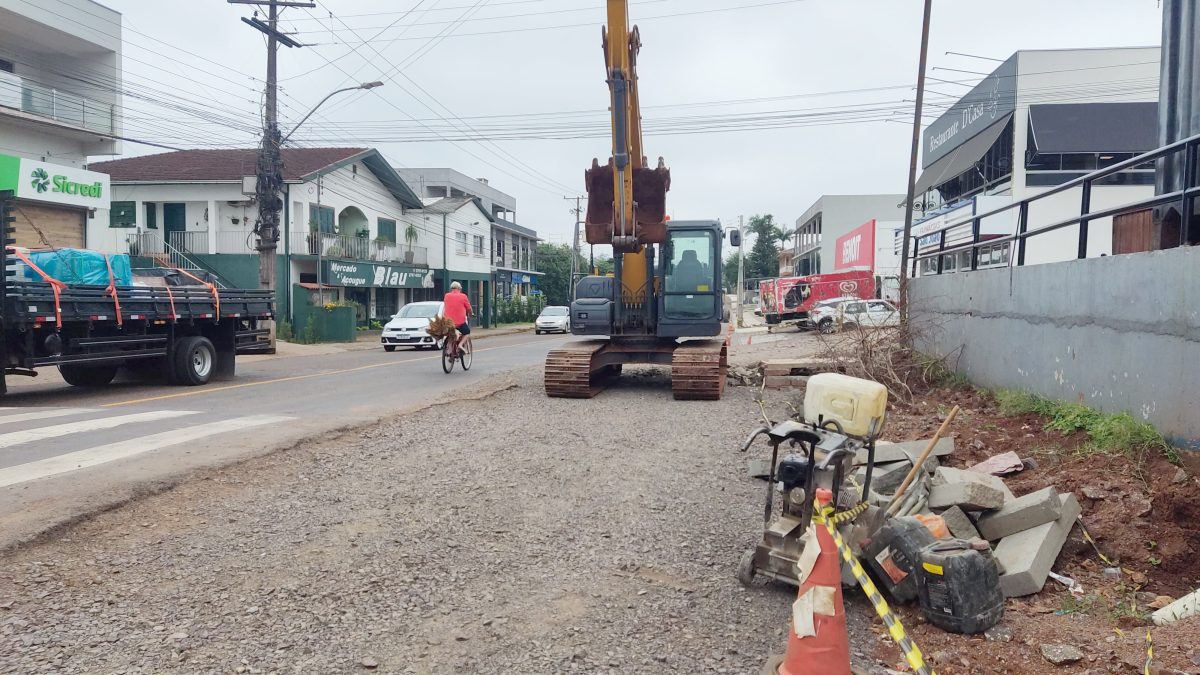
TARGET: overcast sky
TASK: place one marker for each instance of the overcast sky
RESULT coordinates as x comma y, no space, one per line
531,72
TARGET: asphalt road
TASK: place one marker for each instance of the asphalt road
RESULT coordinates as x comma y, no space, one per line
66,451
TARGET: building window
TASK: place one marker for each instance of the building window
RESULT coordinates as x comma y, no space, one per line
460,243
479,245
122,214
151,216
387,230
321,217
499,245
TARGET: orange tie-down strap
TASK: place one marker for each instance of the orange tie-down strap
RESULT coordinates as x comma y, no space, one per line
112,290
212,288
55,284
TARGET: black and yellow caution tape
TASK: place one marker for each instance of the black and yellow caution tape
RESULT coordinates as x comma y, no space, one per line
912,653
839,518
1087,536
1149,652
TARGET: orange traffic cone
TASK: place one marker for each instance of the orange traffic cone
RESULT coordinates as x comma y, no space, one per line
828,651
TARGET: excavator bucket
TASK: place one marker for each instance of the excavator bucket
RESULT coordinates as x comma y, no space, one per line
650,187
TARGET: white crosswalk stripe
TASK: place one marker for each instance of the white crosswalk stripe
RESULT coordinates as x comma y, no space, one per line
42,414
30,435
82,459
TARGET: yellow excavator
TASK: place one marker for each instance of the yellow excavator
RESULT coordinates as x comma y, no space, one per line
667,284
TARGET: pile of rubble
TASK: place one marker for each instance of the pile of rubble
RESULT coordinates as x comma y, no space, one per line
1026,532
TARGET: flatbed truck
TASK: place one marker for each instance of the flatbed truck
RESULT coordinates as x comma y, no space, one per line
189,334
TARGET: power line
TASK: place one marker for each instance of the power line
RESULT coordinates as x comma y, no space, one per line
531,170
456,144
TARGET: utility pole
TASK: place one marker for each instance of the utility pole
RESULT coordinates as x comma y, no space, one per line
741,294
270,161
912,163
575,252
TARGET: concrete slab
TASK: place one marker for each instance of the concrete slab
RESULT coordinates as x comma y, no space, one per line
967,495
946,474
1022,513
1028,556
888,477
960,524
899,452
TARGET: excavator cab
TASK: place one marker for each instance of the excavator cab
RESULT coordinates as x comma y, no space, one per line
691,300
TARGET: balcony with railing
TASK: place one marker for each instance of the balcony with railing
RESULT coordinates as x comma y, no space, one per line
66,107
357,248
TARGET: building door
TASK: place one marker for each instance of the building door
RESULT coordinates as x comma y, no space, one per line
174,220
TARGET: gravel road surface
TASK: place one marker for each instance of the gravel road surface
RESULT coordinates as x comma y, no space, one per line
511,533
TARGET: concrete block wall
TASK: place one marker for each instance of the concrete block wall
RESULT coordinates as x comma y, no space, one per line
1118,333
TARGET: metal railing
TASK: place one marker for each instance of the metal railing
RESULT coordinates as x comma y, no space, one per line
236,242
191,241
63,106
1186,198
357,248
151,245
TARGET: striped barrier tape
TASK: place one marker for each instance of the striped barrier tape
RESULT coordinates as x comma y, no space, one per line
839,518
1087,536
1149,652
912,653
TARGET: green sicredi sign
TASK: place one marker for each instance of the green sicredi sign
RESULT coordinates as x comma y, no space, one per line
45,182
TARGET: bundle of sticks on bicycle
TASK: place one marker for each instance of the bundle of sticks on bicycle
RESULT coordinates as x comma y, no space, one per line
441,327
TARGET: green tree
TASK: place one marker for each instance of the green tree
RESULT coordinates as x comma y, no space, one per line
605,265
731,267
555,261
763,259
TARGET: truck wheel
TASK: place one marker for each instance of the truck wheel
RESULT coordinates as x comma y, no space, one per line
194,360
87,376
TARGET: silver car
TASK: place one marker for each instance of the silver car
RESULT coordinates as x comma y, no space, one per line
553,319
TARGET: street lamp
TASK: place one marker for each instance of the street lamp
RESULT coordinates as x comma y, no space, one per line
320,242
364,85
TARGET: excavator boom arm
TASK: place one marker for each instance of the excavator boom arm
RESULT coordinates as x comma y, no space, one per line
626,200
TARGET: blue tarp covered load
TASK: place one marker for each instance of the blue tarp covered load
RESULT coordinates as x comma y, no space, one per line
80,266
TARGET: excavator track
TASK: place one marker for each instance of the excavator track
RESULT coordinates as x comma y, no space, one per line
583,369
568,371
698,370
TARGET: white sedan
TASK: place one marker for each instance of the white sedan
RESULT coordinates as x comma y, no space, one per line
861,313
408,327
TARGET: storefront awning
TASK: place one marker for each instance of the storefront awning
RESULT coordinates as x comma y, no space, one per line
1063,128
961,158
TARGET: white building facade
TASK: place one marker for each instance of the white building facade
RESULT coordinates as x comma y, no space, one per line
60,71
353,230
1040,119
833,216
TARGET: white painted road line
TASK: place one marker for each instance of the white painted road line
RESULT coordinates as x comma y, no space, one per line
28,436
43,414
83,459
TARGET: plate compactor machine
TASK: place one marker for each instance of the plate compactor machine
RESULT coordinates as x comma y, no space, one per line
667,281
841,419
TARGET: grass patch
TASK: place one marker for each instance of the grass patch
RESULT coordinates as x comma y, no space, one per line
1106,432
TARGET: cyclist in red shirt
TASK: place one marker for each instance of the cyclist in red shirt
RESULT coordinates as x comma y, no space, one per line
456,307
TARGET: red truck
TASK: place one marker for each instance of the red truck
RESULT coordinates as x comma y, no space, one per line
791,298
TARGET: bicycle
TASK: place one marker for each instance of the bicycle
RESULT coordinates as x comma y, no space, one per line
451,353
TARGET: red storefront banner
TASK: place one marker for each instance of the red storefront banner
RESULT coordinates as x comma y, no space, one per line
856,248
